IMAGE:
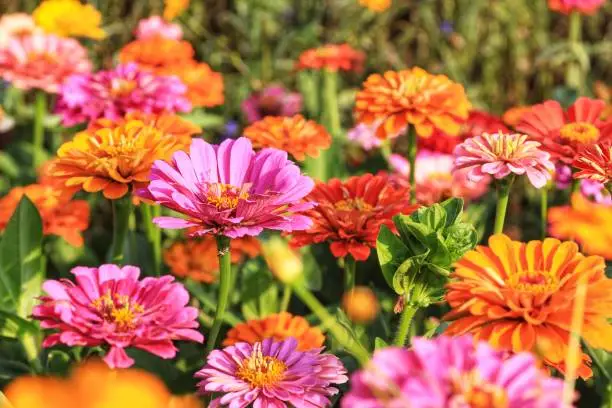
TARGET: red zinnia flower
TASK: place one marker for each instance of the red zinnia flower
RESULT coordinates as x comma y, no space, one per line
595,163
349,214
332,57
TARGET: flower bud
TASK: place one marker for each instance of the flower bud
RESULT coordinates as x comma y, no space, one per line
284,263
361,305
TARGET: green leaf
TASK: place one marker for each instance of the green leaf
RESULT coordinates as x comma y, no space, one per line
414,235
391,253
21,260
460,238
313,276
380,343
453,208
259,293
434,217
439,254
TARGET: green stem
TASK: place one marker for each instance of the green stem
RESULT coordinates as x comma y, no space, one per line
331,324
573,73
225,280
544,211
40,113
503,194
153,233
287,292
316,167
404,325
122,209
598,363
330,102
575,186
350,271
412,152
31,347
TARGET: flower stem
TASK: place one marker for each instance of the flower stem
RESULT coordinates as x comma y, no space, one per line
40,113
149,212
330,102
122,209
225,283
350,271
404,325
573,73
575,186
544,211
31,347
503,194
573,357
330,323
287,292
412,152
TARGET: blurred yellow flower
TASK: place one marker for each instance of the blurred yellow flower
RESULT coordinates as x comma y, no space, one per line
69,18
376,5
173,8
284,263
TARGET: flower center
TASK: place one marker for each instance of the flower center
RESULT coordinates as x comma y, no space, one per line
122,87
580,132
469,390
261,371
225,196
505,146
117,309
351,204
535,282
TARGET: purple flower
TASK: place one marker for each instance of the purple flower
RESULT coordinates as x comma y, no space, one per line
596,191
271,374
271,101
112,94
231,190
452,372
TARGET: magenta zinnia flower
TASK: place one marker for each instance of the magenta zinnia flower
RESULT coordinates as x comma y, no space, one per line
500,154
230,190
155,26
112,94
41,61
273,100
271,374
109,306
452,372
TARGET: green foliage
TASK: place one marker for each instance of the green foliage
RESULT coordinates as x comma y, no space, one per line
416,263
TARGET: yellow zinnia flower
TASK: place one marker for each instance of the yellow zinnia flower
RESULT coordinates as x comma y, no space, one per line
69,18
376,5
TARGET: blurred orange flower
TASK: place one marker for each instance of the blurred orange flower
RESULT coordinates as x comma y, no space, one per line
197,259
604,92
113,159
278,326
376,5
361,305
204,86
513,116
295,135
412,97
60,215
185,401
594,162
520,296
586,222
332,57
173,8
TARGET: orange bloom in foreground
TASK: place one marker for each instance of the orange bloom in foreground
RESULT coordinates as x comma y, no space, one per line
412,97
586,222
295,135
113,159
332,57
376,5
520,296
60,215
197,259
279,327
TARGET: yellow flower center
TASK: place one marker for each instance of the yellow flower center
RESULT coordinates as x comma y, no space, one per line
505,146
470,390
261,371
535,282
226,196
119,310
580,132
122,87
350,204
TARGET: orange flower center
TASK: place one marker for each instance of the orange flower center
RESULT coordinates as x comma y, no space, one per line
122,87
580,132
505,146
351,204
42,58
535,282
118,309
226,196
470,390
259,370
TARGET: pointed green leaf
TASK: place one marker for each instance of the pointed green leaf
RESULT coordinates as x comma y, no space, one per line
391,253
460,238
380,343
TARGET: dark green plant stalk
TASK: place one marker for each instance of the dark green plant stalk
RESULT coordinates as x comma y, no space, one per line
404,326
544,211
225,285
503,194
38,142
153,233
122,209
412,152
350,271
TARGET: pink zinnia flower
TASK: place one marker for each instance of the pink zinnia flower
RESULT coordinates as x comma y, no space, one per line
452,372
499,154
273,100
365,136
230,190
271,374
155,26
581,6
112,94
109,306
41,61
16,25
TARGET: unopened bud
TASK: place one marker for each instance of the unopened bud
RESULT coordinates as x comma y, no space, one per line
360,305
284,263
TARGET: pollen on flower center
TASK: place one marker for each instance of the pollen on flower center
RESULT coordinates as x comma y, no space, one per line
350,204
580,132
470,390
534,282
259,370
226,196
119,310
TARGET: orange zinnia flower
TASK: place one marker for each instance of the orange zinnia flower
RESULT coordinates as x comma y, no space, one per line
332,57
278,327
520,296
595,163
197,259
412,97
295,135
376,5
173,8
204,86
513,116
60,215
586,222
113,159
604,92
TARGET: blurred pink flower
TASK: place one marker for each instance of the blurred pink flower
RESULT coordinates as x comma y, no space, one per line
499,154
271,374
109,306
273,100
581,6
452,372
229,189
157,26
41,61
112,94
596,192
16,25
365,136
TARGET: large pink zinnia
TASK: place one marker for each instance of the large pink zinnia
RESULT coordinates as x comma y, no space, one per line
112,94
109,306
500,154
230,190
271,374
452,372
41,61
